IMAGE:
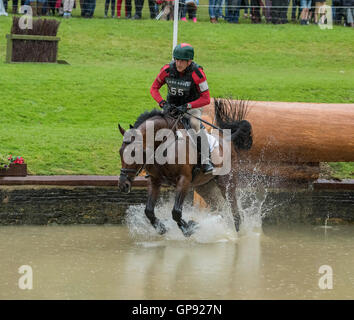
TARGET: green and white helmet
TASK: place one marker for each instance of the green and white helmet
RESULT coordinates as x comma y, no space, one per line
183,51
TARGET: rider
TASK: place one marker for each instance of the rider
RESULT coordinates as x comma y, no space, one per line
187,91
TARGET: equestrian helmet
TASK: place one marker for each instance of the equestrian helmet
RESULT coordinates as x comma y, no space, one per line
183,51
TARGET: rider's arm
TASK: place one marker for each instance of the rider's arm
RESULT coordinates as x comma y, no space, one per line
158,83
202,86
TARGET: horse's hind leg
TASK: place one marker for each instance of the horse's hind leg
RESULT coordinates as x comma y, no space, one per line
154,186
182,190
211,194
227,187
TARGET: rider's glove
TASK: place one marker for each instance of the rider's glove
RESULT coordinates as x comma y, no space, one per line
184,107
162,103
165,106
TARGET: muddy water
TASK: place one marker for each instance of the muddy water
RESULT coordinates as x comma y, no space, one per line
131,262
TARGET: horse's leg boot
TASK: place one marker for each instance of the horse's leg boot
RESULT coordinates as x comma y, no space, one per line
156,223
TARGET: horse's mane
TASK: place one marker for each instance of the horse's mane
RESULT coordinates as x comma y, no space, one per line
229,112
147,115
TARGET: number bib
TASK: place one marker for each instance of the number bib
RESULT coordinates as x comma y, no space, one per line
178,87
181,89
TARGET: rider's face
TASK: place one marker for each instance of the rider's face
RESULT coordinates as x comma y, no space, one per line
181,65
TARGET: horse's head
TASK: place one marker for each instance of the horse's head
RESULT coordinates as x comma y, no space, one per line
128,171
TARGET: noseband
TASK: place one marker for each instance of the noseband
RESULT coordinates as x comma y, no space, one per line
125,173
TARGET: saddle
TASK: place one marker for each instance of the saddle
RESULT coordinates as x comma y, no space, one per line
185,122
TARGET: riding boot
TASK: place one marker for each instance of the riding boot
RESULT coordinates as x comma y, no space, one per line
206,164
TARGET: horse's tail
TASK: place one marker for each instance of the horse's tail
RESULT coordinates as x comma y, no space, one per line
230,114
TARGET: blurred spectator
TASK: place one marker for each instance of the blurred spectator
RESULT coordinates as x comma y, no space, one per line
311,12
295,6
190,7
167,9
51,7
15,6
40,5
88,8
82,7
245,5
233,10
59,7
113,6
349,6
5,5
305,9
218,10
335,4
276,12
256,6
128,8
33,5
2,9
68,8
284,7
339,12
214,10
319,10
268,10
139,4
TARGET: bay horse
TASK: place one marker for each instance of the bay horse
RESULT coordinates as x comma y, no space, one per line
228,115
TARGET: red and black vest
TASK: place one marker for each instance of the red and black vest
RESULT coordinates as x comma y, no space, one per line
182,88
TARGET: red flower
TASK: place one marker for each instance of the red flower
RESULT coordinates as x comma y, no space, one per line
18,160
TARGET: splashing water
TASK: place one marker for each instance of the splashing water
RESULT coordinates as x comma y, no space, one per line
253,205
212,227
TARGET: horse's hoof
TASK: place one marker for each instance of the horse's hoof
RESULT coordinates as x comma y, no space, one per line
237,226
160,228
190,228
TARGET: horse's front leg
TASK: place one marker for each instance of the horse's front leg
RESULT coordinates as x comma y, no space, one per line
154,186
181,192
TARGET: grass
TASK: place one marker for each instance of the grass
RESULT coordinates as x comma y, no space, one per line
63,118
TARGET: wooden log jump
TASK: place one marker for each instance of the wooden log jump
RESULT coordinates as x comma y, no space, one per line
291,138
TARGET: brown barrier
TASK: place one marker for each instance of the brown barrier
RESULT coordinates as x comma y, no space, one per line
299,132
291,138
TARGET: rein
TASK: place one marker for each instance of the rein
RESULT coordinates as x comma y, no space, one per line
125,171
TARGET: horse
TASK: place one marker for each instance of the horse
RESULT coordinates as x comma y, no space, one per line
228,115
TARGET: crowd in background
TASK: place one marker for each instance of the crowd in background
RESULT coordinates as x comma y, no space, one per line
268,11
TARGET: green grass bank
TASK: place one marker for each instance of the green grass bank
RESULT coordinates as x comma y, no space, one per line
63,118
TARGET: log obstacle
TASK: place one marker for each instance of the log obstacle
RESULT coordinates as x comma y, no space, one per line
290,139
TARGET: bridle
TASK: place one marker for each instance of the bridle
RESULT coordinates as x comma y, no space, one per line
124,172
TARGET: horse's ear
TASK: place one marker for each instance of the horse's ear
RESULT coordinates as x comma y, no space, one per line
122,131
131,127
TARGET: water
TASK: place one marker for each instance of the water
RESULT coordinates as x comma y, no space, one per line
121,262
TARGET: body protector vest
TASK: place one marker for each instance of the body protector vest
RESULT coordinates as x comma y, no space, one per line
182,89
